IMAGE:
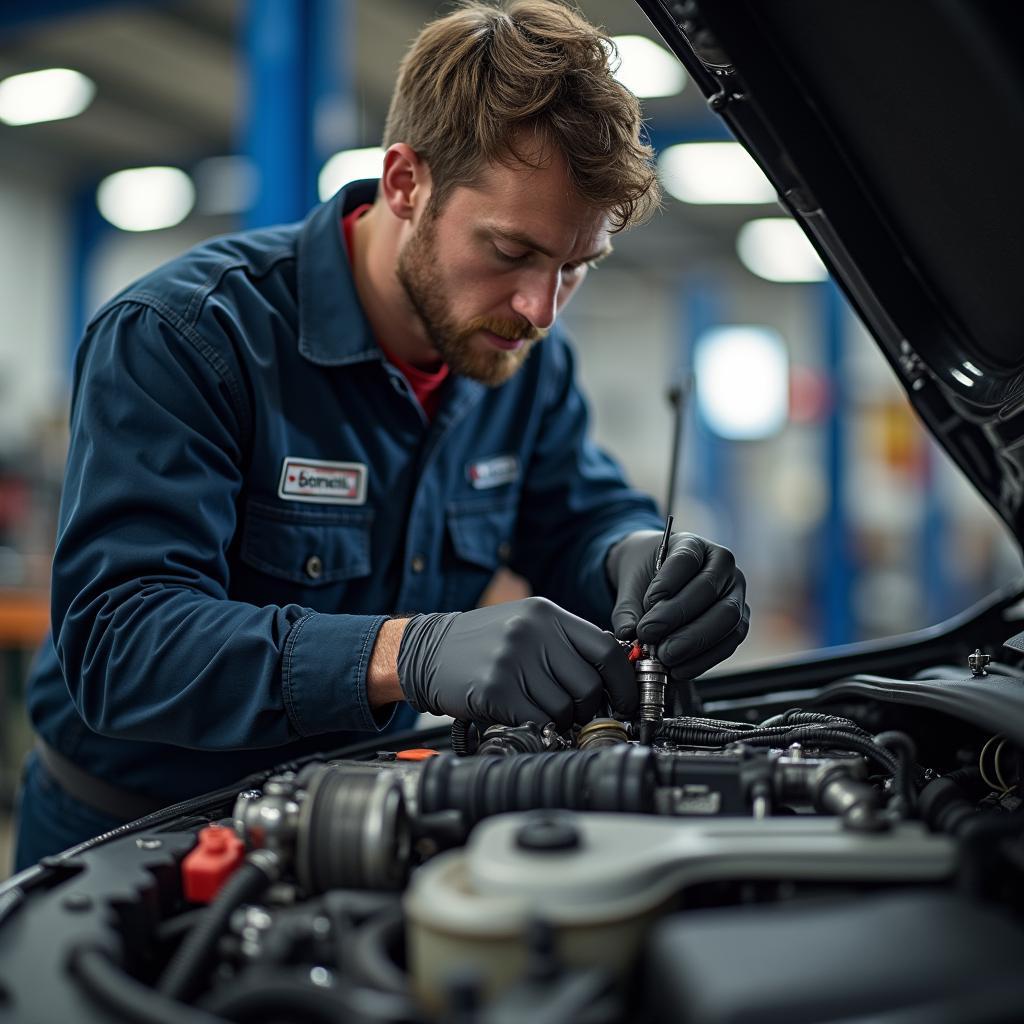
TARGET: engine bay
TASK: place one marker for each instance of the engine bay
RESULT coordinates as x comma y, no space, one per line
813,854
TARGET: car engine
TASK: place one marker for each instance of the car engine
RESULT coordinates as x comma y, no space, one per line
816,854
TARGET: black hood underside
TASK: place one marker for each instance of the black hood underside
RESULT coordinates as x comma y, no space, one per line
894,134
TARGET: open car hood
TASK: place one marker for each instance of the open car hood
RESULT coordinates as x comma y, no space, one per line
894,134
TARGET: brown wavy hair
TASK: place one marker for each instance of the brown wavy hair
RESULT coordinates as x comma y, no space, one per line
478,82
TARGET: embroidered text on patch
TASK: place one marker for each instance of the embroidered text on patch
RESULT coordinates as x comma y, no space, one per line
493,472
329,483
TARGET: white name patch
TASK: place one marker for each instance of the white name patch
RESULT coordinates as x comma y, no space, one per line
329,483
493,472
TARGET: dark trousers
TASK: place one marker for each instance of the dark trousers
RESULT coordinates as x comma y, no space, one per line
49,820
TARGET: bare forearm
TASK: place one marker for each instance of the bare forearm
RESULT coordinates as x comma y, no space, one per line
382,673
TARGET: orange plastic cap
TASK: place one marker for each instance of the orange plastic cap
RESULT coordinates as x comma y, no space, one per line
415,754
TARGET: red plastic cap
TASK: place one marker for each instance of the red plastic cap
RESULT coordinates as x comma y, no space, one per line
415,754
635,651
217,854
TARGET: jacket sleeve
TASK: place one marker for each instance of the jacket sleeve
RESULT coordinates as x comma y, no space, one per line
150,644
576,502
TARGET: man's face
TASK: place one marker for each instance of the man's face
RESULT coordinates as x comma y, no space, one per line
490,272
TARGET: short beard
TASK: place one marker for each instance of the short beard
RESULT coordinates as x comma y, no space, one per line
420,276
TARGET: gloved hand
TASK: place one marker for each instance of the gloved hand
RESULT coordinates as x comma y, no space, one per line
693,611
510,663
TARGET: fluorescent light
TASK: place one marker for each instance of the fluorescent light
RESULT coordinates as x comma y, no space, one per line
146,198
49,95
742,381
776,249
647,69
349,165
713,172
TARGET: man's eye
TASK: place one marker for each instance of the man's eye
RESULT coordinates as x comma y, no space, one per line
508,257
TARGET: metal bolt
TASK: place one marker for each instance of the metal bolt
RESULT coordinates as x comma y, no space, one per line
321,977
977,662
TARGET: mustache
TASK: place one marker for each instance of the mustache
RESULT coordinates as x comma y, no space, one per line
510,330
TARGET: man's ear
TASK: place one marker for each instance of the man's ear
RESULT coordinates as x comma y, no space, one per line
405,181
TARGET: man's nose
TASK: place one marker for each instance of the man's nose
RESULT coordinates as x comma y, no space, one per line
536,298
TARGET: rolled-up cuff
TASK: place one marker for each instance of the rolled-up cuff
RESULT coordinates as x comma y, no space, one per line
326,658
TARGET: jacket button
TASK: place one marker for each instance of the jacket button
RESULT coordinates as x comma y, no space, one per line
314,567
419,563
504,551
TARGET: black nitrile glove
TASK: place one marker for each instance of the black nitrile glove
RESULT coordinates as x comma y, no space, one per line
524,661
693,612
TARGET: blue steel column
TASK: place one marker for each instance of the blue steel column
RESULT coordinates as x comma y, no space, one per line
836,571
299,103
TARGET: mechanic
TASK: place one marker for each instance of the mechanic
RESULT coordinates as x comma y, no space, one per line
299,454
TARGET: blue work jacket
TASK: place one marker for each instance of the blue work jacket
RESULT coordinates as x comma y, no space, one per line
252,488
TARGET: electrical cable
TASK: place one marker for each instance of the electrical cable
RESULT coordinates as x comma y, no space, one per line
834,736
995,787
995,765
798,716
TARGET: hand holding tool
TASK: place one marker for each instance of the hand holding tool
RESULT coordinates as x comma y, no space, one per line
522,661
688,607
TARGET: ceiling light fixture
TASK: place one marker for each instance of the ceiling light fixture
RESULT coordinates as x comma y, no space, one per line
776,249
146,198
347,166
49,95
742,381
713,172
646,69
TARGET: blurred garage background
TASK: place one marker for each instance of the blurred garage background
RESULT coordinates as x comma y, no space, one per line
131,130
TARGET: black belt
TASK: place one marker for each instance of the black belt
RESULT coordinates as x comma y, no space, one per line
95,793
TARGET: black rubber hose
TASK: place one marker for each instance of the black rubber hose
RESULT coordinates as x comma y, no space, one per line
287,996
369,953
905,750
944,805
461,741
194,957
620,778
174,928
126,998
276,999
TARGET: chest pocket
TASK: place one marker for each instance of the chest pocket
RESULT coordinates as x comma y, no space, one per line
314,547
480,532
